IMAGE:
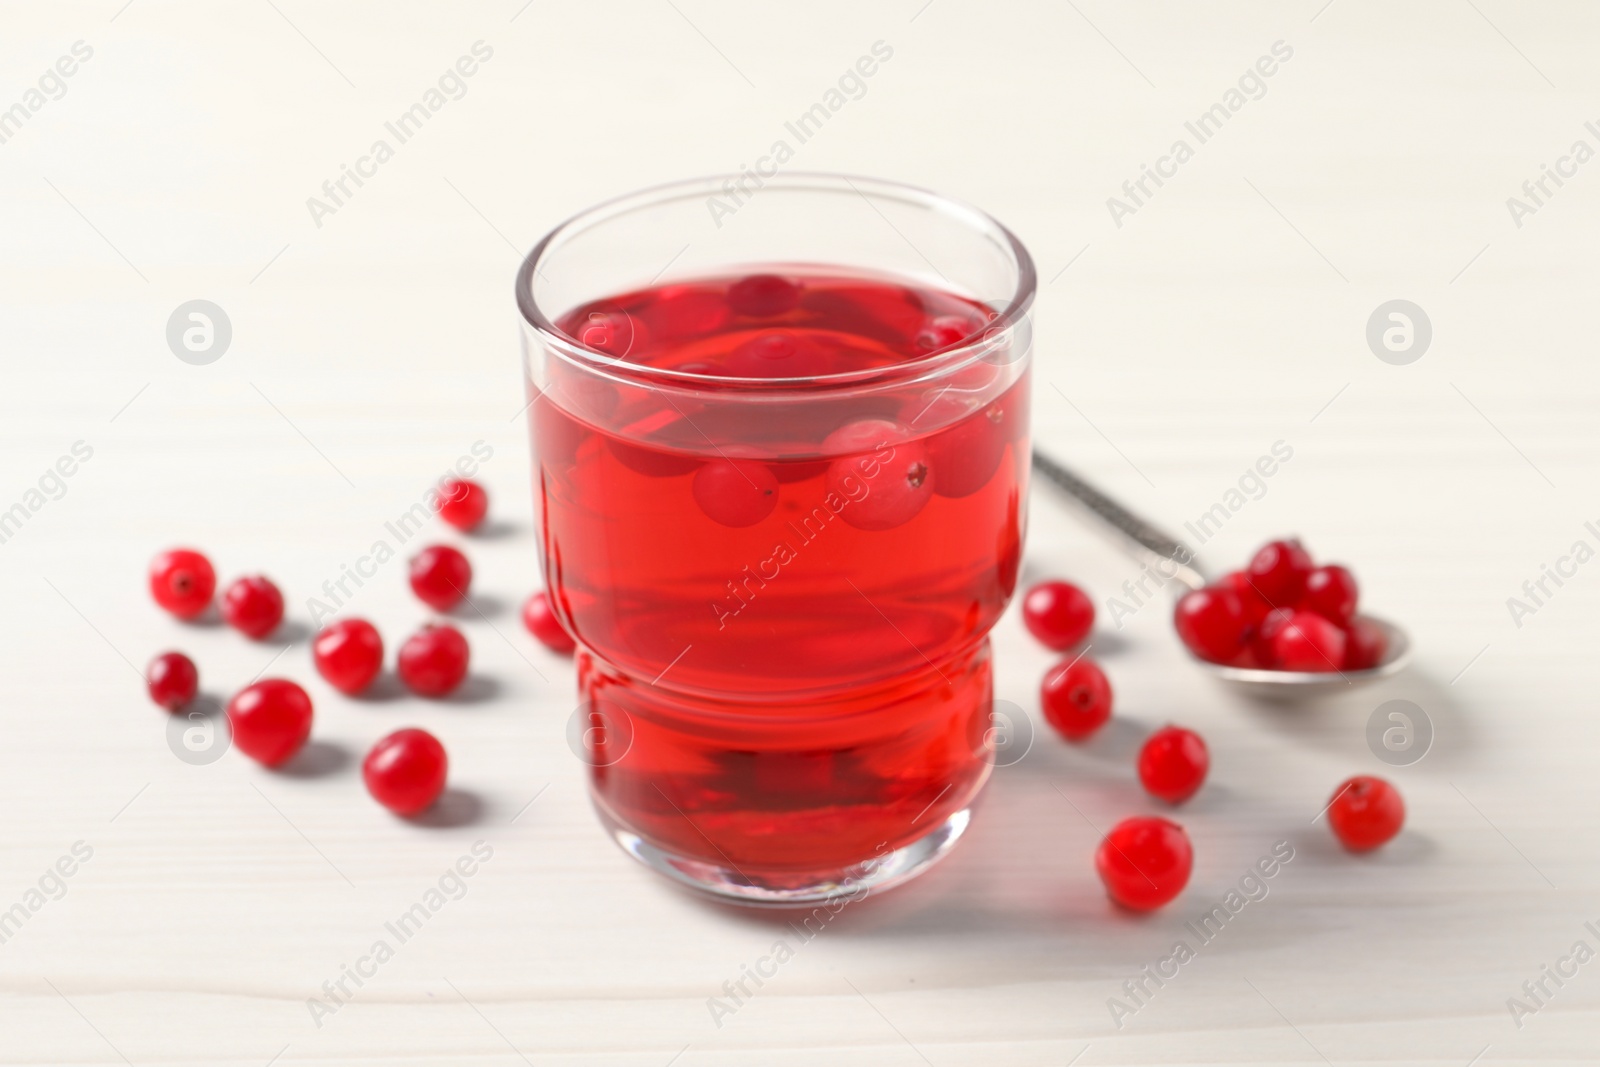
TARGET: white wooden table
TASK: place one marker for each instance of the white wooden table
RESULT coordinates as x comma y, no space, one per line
374,344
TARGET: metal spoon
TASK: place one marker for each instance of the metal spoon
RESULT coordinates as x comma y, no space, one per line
1168,555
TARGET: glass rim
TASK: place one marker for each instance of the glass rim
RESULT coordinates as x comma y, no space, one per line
973,348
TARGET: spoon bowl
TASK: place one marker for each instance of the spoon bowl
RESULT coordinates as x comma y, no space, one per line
1152,545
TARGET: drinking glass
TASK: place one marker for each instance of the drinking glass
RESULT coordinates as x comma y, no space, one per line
780,586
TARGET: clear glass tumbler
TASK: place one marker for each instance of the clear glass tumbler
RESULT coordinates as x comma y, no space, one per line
780,433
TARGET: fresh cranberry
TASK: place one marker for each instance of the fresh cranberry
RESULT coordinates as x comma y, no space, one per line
463,503
1331,592
763,295
172,680
1173,764
685,311
735,492
270,720
1366,812
1251,602
1308,642
1364,644
182,581
884,484
433,661
405,772
1262,650
440,576
779,354
1059,614
348,654
1211,623
253,606
1076,698
542,623
1144,862
968,451
1279,571
612,333
942,332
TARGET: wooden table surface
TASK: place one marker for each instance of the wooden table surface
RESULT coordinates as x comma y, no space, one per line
1180,336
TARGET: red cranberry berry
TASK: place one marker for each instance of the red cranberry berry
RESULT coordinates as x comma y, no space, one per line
1366,812
1211,623
735,492
1308,642
968,451
433,661
405,772
182,581
463,504
1279,572
942,332
348,654
1265,655
172,680
270,720
1251,601
1364,644
1076,698
542,623
1059,614
779,354
1144,862
1173,764
763,295
440,576
884,479
1331,592
253,606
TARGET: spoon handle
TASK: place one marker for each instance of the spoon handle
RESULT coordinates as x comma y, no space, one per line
1146,541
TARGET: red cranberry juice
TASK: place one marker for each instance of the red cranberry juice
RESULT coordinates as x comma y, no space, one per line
782,586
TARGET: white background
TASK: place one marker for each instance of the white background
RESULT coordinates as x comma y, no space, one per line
372,351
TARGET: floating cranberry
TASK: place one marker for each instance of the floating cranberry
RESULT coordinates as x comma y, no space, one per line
464,503
1211,623
942,332
763,295
1331,592
253,606
735,492
348,654
406,771
1173,764
1076,698
779,354
968,452
1308,642
875,456
182,581
1278,571
440,576
433,661
1144,862
685,311
172,680
542,623
1366,812
270,720
1059,614
1364,644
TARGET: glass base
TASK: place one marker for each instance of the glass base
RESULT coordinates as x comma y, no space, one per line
780,889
